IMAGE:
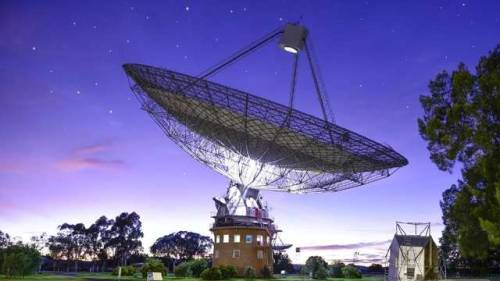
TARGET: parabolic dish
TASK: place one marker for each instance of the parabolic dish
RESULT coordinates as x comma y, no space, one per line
256,142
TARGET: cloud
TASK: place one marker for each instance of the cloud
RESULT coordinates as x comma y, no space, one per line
90,157
11,168
92,149
78,164
353,246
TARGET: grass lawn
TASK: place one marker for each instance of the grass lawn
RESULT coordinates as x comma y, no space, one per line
109,277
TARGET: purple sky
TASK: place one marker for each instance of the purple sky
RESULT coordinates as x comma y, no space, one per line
74,144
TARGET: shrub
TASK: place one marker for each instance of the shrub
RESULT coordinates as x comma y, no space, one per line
336,270
351,272
249,273
126,270
152,265
228,271
321,273
197,267
266,272
183,270
211,274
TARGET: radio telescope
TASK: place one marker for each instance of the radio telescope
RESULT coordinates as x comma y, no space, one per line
259,145
256,142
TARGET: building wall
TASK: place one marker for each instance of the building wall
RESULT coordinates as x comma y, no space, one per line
404,257
393,274
253,254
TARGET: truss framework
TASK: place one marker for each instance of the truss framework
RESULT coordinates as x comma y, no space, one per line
256,142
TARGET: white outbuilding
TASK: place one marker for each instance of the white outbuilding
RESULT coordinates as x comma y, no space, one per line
413,257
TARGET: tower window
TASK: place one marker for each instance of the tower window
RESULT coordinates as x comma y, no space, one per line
225,238
260,240
260,254
217,239
236,238
236,254
248,238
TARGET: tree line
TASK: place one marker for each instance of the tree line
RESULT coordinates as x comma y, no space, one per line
103,243
108,243
461,124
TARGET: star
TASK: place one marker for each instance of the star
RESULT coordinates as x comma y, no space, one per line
361,85
110,111
77,92
177,45
51,91
244,9
231,11
94,27
148,17
96,84
185,57
187,8
74,23
33,48
280,19
132,8
127,41
51,71
110,51
464,4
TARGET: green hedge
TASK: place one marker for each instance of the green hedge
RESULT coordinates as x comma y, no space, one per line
213,273
126,270
228,271
351,272
153,265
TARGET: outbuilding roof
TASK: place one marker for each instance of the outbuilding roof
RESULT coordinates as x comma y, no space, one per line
412,240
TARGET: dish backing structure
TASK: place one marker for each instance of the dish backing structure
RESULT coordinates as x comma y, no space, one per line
257,143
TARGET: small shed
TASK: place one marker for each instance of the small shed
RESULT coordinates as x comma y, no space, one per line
413,257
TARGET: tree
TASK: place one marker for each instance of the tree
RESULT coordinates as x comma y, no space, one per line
182,245
98,236
19,260
376,268
282,262
70,243
461,123
449,245
125,236
4,240
336,269
315,265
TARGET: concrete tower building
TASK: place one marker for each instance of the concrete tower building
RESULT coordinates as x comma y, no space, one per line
243,231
